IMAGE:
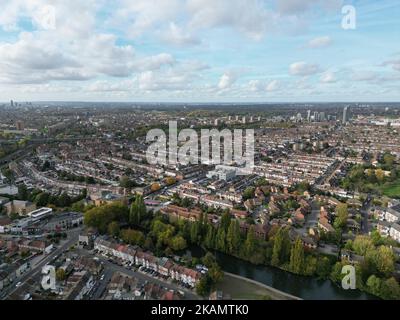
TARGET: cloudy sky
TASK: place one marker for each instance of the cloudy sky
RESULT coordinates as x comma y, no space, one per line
198,50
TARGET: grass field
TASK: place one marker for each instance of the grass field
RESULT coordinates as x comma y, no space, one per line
241,289
392,191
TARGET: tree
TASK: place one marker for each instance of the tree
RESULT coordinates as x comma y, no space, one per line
384,260
250,243
125,182
225,221
64,200
137,211
281,248
233,236
323,267
133,237
113,229
342,214
155,187
194,232
170,181
220,240
101,217
362,244
248,193
177,243
297,257
209,241
42,199
380,175
60,274
374,285
203,287
22,192
209,260
376,238
390,289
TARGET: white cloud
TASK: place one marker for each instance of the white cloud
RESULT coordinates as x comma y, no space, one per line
107,86
300,6
328,77
247,16
152,81
138,16
177,36
303,69
273,86
227,80
395,64
320,42
364,76
255,85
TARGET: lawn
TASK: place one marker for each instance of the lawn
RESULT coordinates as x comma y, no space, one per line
242,290
392,191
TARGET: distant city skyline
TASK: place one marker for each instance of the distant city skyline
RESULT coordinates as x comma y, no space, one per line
246,51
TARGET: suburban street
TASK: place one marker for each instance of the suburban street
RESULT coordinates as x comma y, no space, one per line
110,268
36,269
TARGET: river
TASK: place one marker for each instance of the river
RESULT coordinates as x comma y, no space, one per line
307,288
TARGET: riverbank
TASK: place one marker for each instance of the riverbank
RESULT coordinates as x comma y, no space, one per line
241,288
306,288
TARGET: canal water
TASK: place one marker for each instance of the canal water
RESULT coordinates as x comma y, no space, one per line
308,288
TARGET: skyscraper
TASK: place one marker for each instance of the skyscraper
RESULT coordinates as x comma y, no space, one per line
12,103
346,114
309,115
19,125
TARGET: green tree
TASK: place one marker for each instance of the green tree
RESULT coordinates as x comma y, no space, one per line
203,287
362,244
390,289
177,243
297,257
250,243
138,211
374,285
221,240
23,192
248,193
209,240
383,259
281,248
225,221
60,274
323,267
133,237
42,199
342,214
194,232
113,229
233,236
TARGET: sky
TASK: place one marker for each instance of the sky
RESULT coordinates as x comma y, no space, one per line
199,50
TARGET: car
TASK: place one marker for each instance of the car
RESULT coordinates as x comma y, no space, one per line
102,277
18,284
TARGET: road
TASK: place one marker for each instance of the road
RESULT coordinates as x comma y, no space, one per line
111,268
73,238
365,228
311,220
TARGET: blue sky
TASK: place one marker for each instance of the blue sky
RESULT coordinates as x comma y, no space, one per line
199,50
